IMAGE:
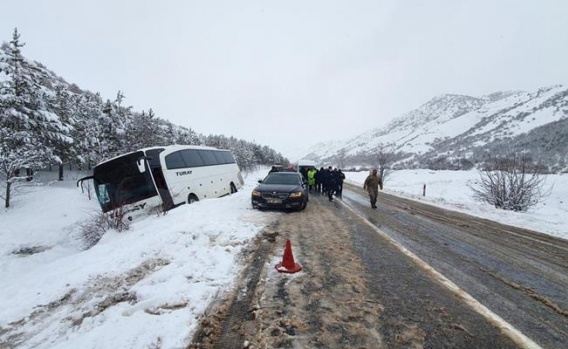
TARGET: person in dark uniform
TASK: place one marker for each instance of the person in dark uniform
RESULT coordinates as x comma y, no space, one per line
319,180
324,180
331,183
340,179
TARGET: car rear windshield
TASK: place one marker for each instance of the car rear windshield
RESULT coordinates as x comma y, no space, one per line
280,178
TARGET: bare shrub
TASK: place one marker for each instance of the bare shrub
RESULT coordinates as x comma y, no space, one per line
93,229
382,158
117,218
510,182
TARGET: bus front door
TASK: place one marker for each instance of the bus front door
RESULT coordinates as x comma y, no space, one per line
162,187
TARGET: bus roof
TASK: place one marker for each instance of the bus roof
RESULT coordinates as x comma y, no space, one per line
172,147
180,146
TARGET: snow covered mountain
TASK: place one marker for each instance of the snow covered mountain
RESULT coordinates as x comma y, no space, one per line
450,128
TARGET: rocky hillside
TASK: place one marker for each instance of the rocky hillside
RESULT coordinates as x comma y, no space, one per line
450,130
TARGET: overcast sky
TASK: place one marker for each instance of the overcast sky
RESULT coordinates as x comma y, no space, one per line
287,73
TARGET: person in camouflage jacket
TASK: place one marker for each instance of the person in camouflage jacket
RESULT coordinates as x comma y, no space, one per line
372,184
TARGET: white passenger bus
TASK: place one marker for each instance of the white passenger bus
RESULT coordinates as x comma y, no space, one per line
165,176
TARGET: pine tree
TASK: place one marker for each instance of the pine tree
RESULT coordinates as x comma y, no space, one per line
90,146
63,106
17,100
28,129
143,131
114,120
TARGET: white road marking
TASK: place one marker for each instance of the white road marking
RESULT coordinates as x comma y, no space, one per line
509,330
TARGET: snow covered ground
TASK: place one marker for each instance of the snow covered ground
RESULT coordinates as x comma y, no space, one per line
147,286
450,189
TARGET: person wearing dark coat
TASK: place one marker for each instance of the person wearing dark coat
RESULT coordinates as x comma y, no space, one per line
304,172
340,179
324,180
319,180
331,182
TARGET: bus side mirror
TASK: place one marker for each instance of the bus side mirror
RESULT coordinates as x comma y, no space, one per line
80,181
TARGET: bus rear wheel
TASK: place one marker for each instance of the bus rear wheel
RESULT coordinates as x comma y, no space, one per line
191,199
233,188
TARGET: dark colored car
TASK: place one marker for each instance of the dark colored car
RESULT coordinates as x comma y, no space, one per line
281,190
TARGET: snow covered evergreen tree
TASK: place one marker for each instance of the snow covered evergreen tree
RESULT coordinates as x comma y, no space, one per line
90,147
62,103
113,127
143,130
28,130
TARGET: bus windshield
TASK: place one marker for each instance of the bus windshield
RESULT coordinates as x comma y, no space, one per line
119,182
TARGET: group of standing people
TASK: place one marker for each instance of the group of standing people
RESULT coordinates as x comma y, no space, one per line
326,180
329,181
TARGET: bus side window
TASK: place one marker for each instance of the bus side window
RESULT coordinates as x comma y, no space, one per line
229,159
192,158
208,157
219,157
174,160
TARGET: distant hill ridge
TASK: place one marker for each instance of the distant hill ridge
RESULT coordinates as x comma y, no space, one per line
452,127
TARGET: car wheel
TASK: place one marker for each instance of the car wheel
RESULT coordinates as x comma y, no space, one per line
191,199
304,205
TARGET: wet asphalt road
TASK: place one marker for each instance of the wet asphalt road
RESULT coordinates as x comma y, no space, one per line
521,276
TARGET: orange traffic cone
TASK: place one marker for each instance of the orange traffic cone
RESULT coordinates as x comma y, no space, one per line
288,265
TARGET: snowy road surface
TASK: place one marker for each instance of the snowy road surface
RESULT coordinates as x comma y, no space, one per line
358,289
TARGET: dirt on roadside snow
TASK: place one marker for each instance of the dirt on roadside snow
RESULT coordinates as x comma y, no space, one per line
322,306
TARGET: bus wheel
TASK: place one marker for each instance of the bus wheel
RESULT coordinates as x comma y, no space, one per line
191,199
233,188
